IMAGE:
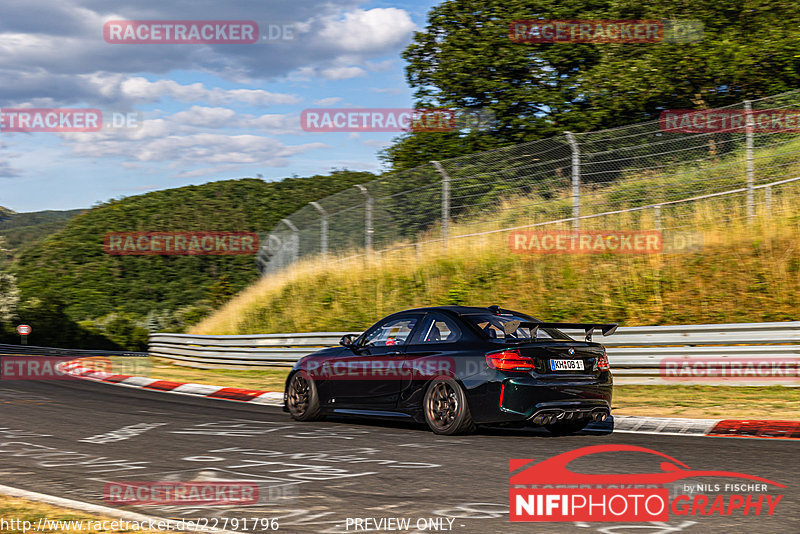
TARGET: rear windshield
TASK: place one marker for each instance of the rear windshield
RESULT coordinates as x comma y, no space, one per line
493,327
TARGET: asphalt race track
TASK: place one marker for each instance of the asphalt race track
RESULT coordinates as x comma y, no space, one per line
312,477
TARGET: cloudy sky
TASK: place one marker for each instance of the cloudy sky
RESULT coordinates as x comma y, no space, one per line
205,111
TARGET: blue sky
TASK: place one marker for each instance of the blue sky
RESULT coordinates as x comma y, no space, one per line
208,112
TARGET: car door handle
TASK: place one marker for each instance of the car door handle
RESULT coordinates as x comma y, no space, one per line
395,353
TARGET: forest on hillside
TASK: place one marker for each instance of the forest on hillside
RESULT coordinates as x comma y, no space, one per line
74,294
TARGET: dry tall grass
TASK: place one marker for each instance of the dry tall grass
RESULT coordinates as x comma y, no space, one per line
745,271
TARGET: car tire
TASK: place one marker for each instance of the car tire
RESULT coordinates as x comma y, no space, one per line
446,409
302,399
567,427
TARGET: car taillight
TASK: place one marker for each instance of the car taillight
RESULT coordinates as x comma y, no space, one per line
602,362
509,360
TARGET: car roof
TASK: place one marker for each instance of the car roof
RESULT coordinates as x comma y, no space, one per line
459,310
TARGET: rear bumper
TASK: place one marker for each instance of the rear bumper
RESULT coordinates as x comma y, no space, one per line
528,399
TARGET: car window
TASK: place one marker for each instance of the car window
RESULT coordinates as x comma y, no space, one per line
389,333
438,329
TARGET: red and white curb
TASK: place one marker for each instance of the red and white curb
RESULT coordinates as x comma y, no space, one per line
740,428
252,396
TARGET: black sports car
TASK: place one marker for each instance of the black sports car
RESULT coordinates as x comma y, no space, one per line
454,367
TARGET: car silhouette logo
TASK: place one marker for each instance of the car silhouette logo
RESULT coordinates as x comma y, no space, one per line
554,470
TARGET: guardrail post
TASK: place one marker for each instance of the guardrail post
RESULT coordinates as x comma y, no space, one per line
295,246
323,236
576,181
368,230
445,203
748,110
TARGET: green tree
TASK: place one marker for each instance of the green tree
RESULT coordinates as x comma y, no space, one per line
220,291
465,59
9,292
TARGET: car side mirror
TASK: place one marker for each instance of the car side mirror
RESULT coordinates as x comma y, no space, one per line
348,341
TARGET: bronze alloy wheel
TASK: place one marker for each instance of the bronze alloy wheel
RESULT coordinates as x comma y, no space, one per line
442,405
446,410
301,398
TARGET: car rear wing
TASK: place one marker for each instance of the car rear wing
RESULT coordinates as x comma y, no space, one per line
606,328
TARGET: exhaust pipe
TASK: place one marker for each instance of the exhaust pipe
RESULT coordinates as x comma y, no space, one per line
548,418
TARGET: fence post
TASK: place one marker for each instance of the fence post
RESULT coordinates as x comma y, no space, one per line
576,181
323,234
266,253
748,111
367,219
445,203
295,239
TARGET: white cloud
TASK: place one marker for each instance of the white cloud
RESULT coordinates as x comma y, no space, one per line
7,171
342,73
195,137
330,101
208,118
53,50
389,90
364,31
52,54
142,90
375,143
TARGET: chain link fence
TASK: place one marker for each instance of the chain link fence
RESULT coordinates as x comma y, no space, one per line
644,176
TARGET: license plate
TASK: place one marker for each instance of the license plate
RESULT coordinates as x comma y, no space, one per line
566,365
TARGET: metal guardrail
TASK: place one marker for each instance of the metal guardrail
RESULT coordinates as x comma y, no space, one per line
240,350
635,353
55,351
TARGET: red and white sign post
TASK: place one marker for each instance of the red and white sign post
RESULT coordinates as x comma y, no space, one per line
24,330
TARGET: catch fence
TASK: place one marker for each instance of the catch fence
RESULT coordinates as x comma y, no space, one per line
652,175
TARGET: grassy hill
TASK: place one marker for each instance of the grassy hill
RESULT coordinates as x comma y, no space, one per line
68,278
743,271
753,277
